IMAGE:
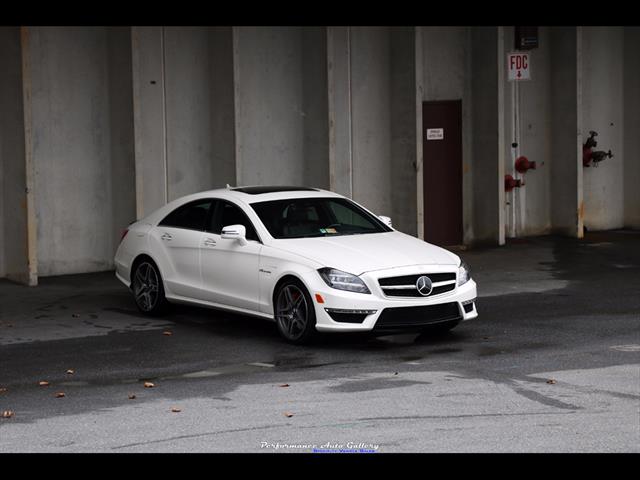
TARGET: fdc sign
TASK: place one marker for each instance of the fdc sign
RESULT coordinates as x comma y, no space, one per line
518,66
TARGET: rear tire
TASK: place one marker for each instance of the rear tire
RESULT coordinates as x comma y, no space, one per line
294,312
148,288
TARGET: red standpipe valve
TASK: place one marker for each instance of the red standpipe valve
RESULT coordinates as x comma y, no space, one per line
523,164
510,183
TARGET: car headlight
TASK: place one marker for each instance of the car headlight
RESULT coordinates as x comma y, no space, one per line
343,280
464,273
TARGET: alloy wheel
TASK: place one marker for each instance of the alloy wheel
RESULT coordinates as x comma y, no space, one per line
292,312
145,286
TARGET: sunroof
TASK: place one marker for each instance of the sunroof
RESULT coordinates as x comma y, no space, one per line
272,189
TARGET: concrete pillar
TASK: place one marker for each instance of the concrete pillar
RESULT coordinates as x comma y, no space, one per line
150,123
339,110
566,131
17,219
315,106
487,71
122,149
631,127
418,51
222,108
403,128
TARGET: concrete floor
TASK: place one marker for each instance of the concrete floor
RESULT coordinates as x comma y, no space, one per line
550,309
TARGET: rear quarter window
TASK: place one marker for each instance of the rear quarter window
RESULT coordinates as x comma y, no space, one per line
192,216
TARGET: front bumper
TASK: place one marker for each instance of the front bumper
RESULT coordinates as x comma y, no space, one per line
343,301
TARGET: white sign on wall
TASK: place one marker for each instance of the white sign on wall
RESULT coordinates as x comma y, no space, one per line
518,66
435,133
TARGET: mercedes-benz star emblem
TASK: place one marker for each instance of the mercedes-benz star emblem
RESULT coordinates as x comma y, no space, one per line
424,285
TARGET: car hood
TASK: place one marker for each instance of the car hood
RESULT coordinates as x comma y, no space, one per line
358,254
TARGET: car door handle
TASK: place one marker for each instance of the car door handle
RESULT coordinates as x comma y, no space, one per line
209,242
166,237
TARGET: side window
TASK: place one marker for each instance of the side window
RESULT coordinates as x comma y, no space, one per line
192,216
229,214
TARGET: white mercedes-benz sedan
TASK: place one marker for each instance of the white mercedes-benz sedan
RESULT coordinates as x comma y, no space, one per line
310,259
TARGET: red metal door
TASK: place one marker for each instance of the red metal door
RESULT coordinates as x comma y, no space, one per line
442,167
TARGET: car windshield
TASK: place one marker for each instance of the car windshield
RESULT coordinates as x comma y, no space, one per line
316,217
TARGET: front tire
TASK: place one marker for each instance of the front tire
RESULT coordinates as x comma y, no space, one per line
148,289
294,312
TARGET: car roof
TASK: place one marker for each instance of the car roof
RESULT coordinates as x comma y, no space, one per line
261,193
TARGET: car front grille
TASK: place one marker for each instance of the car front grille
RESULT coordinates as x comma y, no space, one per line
405,285
407,318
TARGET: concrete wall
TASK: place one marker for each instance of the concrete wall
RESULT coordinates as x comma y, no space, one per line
184,112
532,131
73,148
446,75
631,127
189,109
279,81
603,111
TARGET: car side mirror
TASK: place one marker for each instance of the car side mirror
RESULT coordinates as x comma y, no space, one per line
386,220
235,232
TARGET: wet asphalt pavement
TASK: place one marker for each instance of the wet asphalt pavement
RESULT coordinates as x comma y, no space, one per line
551,364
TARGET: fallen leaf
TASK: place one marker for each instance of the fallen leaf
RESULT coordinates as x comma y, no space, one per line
288,414
43,383
70,372
60,395
284,385
132,397
167,333
7,414
176,409
149,385
551,381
